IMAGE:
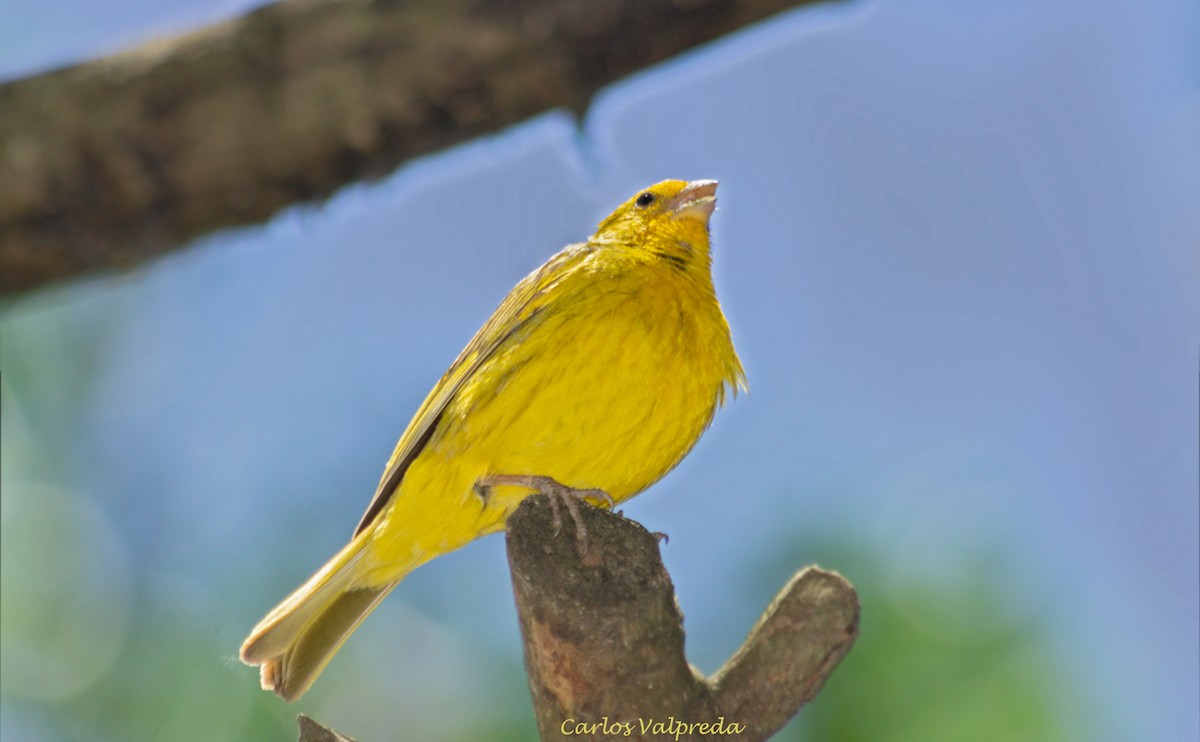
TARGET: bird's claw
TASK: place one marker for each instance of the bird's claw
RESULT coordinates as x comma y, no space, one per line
560,496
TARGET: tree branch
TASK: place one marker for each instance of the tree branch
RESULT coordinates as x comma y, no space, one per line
604,638
111,162
311,731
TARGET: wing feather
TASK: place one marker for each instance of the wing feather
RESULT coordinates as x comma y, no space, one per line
516,311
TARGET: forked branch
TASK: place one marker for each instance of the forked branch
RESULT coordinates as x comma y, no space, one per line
604,640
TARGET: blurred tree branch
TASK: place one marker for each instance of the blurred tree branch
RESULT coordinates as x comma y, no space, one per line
114,161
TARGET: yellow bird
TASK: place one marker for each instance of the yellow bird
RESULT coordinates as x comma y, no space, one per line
594,378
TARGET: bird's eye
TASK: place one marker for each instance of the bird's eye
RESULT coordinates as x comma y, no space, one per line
645,199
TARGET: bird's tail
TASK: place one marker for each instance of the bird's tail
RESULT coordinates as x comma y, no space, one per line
295,641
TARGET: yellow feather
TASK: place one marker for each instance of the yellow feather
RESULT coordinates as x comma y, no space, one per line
601,369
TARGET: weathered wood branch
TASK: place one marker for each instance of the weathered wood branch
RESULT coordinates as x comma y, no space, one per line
111,162
604,639
311,731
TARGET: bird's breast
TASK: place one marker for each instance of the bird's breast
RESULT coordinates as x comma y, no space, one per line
607,393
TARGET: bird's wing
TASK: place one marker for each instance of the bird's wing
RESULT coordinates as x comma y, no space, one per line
523,303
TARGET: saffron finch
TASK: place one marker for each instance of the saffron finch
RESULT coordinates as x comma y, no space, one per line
595,376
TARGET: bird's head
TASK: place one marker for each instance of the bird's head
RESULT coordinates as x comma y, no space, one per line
670,218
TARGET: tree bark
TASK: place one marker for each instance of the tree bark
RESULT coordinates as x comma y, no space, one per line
111,162
604,640
311,731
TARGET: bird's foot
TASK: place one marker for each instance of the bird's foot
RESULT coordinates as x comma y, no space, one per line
560,496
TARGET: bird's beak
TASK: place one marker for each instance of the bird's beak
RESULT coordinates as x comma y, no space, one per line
697,200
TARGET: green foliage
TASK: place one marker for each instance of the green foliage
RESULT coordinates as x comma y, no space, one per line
939,659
